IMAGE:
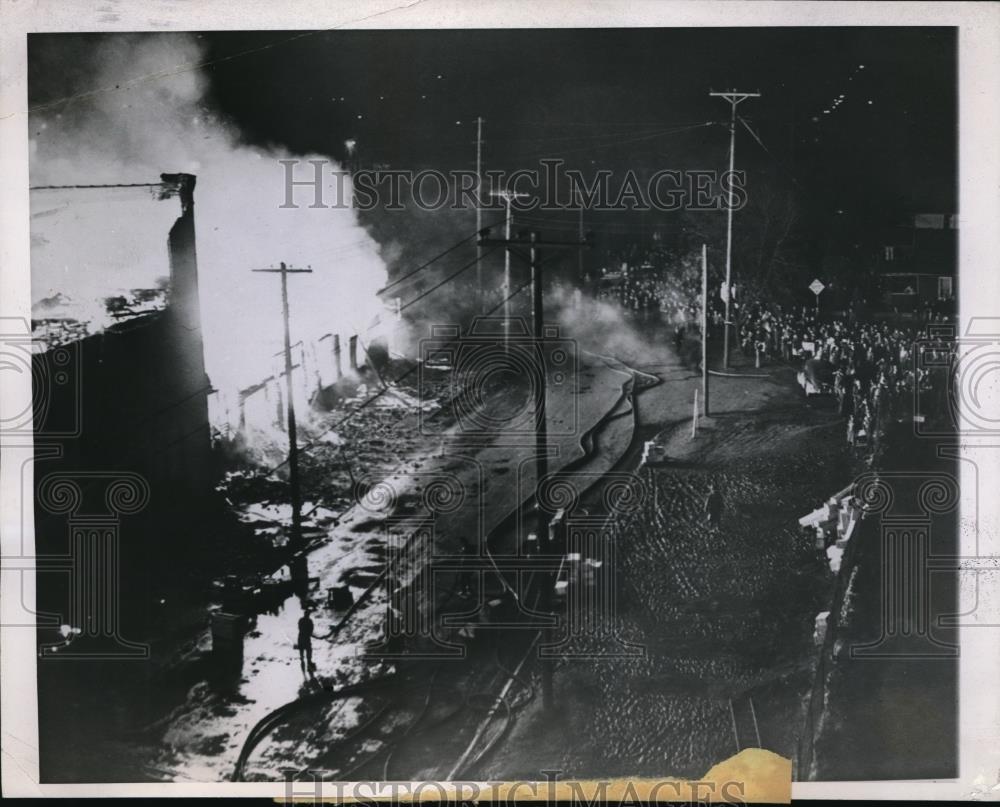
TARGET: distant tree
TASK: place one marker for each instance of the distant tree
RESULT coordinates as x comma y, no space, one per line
767,248
767,238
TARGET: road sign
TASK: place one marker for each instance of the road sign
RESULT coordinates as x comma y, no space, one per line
816,287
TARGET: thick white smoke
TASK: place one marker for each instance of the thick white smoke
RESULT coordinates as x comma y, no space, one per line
92,244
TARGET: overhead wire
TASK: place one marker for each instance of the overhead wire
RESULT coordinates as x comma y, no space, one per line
436,258
448,279
92,187
371,399
760,142
626,141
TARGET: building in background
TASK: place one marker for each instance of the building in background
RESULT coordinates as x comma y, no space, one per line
917,264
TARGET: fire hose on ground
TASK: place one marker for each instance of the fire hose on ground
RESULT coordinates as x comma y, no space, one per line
269,722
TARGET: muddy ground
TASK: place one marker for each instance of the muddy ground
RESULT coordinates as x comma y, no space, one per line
719,614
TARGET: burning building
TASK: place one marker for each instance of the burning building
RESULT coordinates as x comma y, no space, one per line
123,456
139,401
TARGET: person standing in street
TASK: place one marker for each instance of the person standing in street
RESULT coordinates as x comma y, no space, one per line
304,643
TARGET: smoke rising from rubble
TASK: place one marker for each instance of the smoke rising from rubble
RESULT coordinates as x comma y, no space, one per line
152,114
412,236
597,325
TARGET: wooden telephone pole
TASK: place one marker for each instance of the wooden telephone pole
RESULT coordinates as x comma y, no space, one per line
479,210
293,443
735,98
508,197
541,427
704,328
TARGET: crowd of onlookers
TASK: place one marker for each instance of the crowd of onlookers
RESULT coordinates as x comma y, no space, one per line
641,284
874,372
875,376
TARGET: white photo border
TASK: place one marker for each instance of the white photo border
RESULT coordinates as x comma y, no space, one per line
979,162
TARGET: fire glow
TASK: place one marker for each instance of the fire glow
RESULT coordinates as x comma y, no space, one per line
93,244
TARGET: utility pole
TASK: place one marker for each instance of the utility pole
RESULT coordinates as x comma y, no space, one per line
541,448
508,197
293,444
704,327
541,427
479,209
537,315
735,98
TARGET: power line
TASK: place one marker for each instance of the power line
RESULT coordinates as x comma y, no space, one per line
90,187
371,399
552,138
450,277
435,131
753,134
648,125
638,138
541,426
735,98
423,266
509,197
293,444
760,142
438,257
385,389
479,210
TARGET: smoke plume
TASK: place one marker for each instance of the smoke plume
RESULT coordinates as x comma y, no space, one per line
139,106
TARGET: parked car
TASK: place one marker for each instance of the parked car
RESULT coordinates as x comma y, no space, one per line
816,377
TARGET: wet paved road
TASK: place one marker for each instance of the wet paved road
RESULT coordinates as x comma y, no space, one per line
718,613
203,735
703,606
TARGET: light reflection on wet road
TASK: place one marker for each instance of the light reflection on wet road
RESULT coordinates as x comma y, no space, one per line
204,736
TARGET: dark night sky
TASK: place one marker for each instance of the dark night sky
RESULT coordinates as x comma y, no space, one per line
595,96
602,98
